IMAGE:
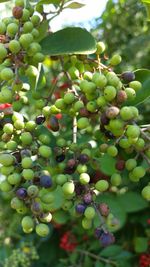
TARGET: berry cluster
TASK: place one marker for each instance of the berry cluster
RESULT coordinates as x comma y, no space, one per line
144,260
48,167
68,242
23,256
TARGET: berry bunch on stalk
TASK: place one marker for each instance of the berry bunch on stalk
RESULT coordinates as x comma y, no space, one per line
52,144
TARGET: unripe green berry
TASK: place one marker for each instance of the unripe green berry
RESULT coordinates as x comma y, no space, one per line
84,178
42,229
102,185
89,213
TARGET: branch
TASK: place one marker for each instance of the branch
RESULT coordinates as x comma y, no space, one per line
92,255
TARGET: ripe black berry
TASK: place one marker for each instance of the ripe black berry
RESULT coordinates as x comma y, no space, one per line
17,156
104,120
83,158
40,119
128,76
60,158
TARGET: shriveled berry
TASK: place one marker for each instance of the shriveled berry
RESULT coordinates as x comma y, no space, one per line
17,12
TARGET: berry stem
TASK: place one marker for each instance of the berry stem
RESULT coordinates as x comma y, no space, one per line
74,130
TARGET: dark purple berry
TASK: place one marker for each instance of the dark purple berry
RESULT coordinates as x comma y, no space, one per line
104,120
60,158
79,189
45,181
120,165
121,96
54,124
40,119
17,156
98,232
80,208
21,193
36,207
87,198
104,209
128,76
106,239
26,153
109,134
83,158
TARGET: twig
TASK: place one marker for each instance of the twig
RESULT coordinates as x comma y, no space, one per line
92,255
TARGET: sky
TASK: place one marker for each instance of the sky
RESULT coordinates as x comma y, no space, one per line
84,15
91,10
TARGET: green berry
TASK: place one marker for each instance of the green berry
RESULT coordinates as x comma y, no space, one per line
45,151
12,29
100,48
2,27
16,203
136,85
133,131
26,138
78,105
68,188
101,101
27,224
30,126
35,19
5,186
25,40
130,164
112,151
48,198
84,178
109,93
102,185
89,213
139,172
26,163
115,60
6,159
8,128
146,192
82,123
28,174
69,98
19,3
87,87
42,229
86,223
6,74
116,179
14,178
99,79
131,94
32,191
73,72
14,46
3,52
126,113
27,27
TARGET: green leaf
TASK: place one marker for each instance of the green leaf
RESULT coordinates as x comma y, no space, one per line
124,255
140,244
57,204
40,79
136,201
60,217
111,251
74,5
47,2
98,264
107,164
146,1
71,40
143,76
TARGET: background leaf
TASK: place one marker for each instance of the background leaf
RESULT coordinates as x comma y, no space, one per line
140,244
106,161
111,251
137,203
71,40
